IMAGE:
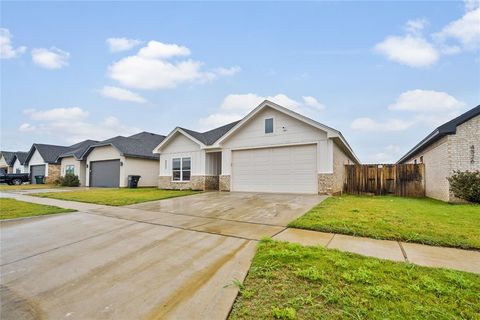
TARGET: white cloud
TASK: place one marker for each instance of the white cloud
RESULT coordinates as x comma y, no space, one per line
415,26
122,44
159,50
465,30
313,102
57,114
370,125
425,107
471,4
7,51
72,125
121,94
411,50
151,68
415,50
52,58
26,127
236,106
426,101
388,154
228,71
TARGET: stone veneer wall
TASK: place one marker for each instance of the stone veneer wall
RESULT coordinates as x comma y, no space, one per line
54,171
195,183
211,182
325,183
224,183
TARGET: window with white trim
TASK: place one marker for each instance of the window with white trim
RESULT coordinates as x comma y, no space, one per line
181,169
70,169
269,125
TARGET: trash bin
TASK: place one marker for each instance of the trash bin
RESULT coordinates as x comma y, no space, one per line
39,179
133,181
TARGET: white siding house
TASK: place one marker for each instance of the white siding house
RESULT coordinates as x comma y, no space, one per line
19,162
272,149
109,163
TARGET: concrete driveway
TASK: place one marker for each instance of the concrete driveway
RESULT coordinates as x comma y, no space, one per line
168,259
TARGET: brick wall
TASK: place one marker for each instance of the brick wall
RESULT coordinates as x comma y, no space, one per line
460,146
461,154
450,153
437,169
340,159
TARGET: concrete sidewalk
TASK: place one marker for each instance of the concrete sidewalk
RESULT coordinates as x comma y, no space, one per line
74,205
424,255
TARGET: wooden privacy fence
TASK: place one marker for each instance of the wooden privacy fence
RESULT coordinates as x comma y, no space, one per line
406,180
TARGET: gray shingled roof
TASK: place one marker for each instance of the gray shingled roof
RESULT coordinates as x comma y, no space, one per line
21,156
449,127
210,137
8,155
78,149
139,145
49,152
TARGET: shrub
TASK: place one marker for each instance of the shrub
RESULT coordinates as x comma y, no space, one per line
69,180
466,185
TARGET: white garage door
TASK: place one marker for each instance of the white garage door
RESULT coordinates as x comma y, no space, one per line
286,169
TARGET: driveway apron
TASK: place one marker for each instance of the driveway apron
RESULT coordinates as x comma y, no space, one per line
169,259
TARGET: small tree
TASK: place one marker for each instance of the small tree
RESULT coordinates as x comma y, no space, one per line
466,185
69,180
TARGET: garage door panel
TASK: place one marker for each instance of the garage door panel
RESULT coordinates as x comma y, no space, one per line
283,169
105,173
37,170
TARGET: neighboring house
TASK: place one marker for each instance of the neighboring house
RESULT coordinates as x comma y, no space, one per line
110,162
6,165
453,146
19,162
272,149
72,161
42,159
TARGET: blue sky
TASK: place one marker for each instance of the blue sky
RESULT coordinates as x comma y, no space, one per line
383,73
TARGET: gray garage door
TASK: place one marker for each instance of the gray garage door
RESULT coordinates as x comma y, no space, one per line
105,173
38,170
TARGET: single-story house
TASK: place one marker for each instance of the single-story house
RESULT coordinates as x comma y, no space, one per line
19,162
72,162
6,165
110,162
42,160
272,149
452,146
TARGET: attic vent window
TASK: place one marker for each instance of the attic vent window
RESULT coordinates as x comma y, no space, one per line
269,125
472,154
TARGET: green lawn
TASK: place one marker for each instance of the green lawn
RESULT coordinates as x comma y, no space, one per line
6,187
424,220
11,208
117,196
288,281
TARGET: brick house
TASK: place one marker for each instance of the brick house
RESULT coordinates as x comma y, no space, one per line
452,146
